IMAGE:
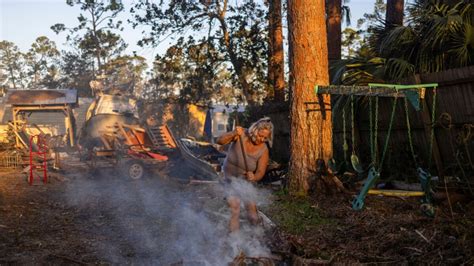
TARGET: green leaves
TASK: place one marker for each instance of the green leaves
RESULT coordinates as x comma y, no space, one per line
236,33
436,37
95,33
11,63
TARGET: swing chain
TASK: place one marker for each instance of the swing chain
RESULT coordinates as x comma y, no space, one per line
352,122
410,140
373,118
376,130
385,148
433,117
345,146
371,132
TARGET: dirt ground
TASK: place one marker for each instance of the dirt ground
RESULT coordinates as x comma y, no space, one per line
99,218
390,230
82,217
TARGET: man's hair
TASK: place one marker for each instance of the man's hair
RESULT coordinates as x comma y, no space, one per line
263,123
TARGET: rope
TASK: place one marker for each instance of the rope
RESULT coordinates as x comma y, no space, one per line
352,123
345,146
376,130
410,140
373,128
388,132
371,132
433,114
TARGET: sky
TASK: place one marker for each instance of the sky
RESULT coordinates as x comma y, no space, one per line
22,21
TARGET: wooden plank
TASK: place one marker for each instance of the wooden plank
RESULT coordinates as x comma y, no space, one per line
369,90
15,127
69,114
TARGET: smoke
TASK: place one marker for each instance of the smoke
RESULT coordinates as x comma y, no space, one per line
159,221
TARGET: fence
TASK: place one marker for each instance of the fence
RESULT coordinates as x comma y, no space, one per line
10,160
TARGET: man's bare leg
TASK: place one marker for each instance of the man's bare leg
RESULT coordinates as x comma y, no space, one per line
252,212
234,204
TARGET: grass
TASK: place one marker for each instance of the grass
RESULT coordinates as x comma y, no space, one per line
296,215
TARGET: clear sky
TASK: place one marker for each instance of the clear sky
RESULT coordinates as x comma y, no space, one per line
22,21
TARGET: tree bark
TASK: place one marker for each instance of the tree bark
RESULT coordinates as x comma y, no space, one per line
394,13
334,29
276,78
311,137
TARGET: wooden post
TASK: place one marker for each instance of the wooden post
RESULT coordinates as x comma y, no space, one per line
15,126
69,126
427,124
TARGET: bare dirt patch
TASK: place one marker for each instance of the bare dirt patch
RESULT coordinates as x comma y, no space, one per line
78,218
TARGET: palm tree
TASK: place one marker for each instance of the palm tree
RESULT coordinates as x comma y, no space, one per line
337,11
437,36
394,14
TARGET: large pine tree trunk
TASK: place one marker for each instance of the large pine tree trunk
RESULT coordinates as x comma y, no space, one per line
334,29
394,13
276,77
311,136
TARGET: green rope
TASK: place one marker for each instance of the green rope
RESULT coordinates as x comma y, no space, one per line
373,120
352,123
345,146
376,130
409,133
388,133
433,114
371,131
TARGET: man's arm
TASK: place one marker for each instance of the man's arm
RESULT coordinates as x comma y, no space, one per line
228,137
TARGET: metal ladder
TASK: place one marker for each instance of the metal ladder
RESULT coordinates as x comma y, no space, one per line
161,137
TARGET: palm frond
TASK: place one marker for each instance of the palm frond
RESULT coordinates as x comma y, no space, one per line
397,68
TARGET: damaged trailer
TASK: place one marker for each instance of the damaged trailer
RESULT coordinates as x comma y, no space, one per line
113,136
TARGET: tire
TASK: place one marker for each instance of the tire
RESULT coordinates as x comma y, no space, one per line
133,169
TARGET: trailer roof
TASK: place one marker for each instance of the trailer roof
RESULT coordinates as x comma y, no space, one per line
41,97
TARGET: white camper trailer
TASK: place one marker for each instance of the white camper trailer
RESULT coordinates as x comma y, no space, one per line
219,120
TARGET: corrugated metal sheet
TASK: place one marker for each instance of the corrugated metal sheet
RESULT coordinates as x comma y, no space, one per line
41,97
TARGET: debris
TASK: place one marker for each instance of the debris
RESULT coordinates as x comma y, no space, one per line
405,186
266,220
242,259
396,193
197,181
299,261
424,238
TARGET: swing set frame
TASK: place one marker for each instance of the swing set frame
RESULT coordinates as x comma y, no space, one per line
415,94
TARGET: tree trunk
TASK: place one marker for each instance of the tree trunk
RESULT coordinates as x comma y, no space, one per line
12,76
334,29
311,137
234,60
394,13
276,78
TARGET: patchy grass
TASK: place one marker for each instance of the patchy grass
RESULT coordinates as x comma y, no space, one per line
296,215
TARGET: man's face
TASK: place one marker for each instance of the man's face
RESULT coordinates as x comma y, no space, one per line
261,136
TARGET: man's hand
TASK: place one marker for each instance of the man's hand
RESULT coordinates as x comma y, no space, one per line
251,177
238,131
